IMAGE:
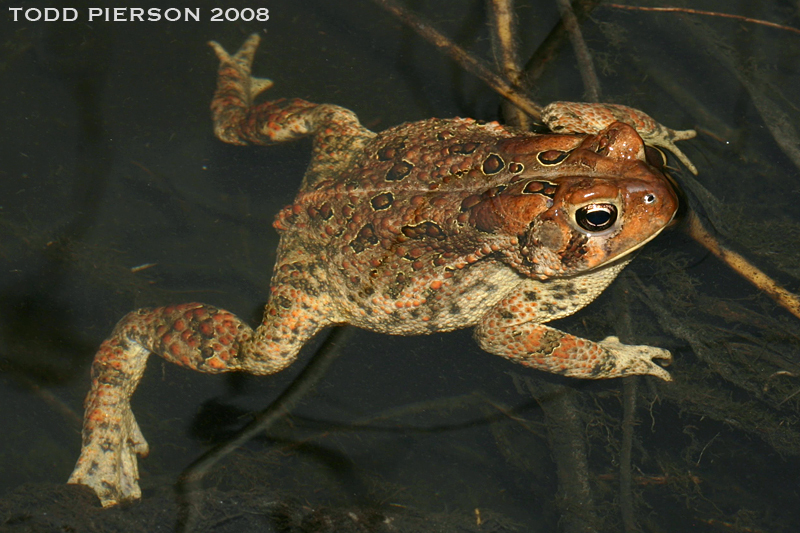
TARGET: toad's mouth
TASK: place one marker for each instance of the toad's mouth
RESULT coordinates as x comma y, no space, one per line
636,248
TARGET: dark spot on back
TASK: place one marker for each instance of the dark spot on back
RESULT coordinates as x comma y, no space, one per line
464,149
366,237
382,201
422,230
552,157
493,164
399,170
515,168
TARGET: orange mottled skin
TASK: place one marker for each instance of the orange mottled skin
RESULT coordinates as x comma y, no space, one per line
428,226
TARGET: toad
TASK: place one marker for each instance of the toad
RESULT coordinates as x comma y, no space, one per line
426,227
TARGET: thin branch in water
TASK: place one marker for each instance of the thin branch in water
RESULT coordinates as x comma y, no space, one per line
463,58
503,35
45,395
742,266
789,397
779,124
503,29
700,457
551,46
189,484
629,386
566,434
707,13
584,57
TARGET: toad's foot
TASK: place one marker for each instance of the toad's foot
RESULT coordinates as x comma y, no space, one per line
108,465
236,88
637,359
111,437
579,117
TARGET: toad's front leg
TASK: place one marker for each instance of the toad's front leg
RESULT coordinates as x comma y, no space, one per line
504,331
193,335
584,117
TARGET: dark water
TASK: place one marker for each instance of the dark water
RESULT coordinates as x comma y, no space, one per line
109,163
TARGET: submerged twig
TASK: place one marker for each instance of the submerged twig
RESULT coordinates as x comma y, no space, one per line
789,397
584,57
695,391
504,43
567,439
45,395
189,483
535,66
503,34
463,58
707,13
712,126
742,266
780,125
777,122
629,386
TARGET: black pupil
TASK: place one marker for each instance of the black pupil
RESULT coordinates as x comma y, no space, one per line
596,217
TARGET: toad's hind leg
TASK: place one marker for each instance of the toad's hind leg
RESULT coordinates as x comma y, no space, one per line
196,336
336,132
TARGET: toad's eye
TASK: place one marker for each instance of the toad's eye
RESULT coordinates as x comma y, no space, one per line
596,217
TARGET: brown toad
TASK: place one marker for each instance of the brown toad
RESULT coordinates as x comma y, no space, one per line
429,226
